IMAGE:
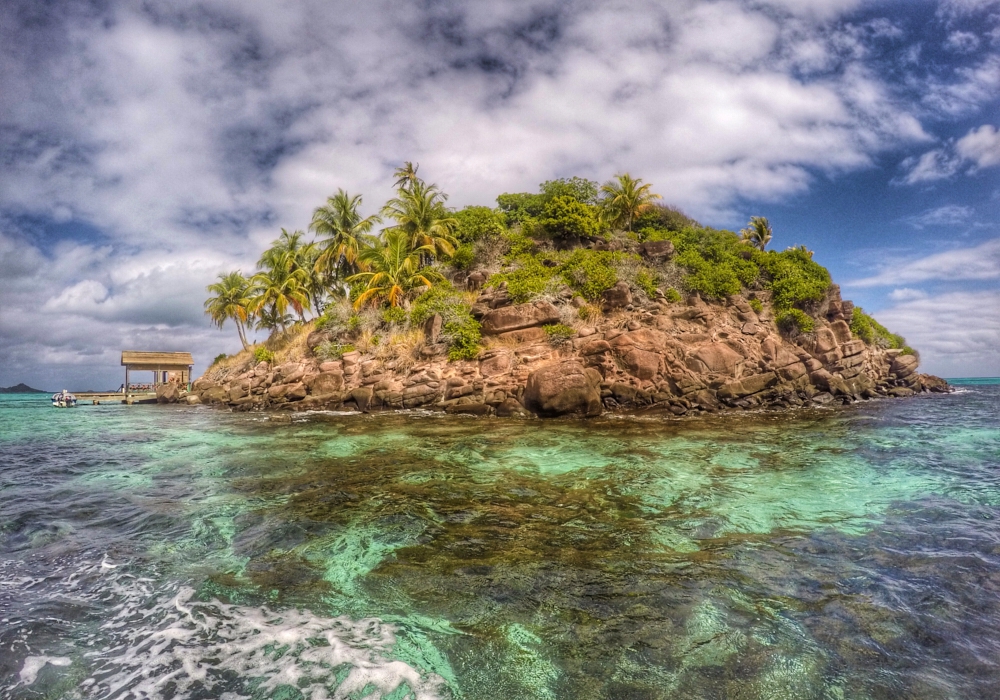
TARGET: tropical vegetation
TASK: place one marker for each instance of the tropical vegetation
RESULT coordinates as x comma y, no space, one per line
368,279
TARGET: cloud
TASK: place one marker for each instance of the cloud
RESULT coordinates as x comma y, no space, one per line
962,42
186,133
957,333
978,149
906,294
981,262
948,215
981,146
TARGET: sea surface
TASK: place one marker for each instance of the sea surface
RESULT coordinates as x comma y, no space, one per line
187,552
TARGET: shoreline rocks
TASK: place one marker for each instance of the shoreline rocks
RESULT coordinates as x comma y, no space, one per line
676,358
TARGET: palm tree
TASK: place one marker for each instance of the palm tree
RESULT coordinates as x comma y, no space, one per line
406,175
282,283
420,213
346,232
231,301
624,199
392,271
757,233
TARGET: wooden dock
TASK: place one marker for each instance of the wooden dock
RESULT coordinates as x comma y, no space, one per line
97,398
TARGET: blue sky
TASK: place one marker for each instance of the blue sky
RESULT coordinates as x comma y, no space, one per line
146,147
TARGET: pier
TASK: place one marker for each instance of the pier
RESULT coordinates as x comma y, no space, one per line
166,368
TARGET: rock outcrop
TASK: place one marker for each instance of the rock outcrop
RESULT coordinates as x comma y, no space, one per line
650,355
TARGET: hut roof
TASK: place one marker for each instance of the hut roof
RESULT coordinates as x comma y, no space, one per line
154,360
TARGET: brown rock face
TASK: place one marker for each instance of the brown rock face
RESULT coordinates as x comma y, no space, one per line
214,394
432,329
524,335
326,383
296,392
618,297
512,318
562,389
316,338
904,365
167,393
716,358
657,249
642,364
496,365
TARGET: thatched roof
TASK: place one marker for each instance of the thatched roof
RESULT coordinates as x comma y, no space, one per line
157,360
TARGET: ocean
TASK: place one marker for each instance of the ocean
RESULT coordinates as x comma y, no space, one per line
187,552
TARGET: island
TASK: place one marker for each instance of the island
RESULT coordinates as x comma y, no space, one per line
575,300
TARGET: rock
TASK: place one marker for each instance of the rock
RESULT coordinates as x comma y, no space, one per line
511,318
475,281
351,358
822,399
618,297
904,365
192,400
167,393
825,341
935,384
432,329
511,408
214,394
434,350
362,397
289,373
316,338
842,331
496,365
595,347
901,391
326,383
277,391
657,249
332,366
748,386
717,358
201,384
472,409
751,329
238,392
524,335
561,389
296,392
641,363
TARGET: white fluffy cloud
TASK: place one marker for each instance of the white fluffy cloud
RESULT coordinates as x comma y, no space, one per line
981,146
978,263
187,133
958,333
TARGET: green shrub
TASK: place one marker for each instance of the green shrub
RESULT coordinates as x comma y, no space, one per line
332,351
393,315
873,332
478,222
526,281
219,358
646,280
796,319
793,276
459,328
663,217
673,296
580,189
354,323
463,258
565,216
262,354
907,350
463,338
591,272
714,260
756,305
558,333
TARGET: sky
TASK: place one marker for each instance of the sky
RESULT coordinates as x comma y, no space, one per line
148,147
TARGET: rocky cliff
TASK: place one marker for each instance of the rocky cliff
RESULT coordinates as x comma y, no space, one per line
642,354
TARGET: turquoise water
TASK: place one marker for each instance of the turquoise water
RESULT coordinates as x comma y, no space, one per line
186,552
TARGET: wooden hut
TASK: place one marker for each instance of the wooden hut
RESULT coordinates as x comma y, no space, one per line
165,366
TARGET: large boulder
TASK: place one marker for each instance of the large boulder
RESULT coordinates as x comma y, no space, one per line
562,389
657,249
512,318
317,338
904,365
618,297
642,363
717,358
167,393
325,383
214,394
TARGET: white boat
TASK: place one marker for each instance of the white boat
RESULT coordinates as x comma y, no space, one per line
63,399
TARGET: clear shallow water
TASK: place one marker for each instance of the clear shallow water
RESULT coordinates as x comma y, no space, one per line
176,552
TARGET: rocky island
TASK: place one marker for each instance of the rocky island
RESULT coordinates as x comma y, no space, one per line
554,304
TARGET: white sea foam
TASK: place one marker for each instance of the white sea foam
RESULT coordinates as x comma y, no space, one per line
33,664
158,642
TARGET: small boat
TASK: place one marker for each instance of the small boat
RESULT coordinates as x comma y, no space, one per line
63,399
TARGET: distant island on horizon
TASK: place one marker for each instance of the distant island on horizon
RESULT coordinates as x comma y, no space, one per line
21,389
